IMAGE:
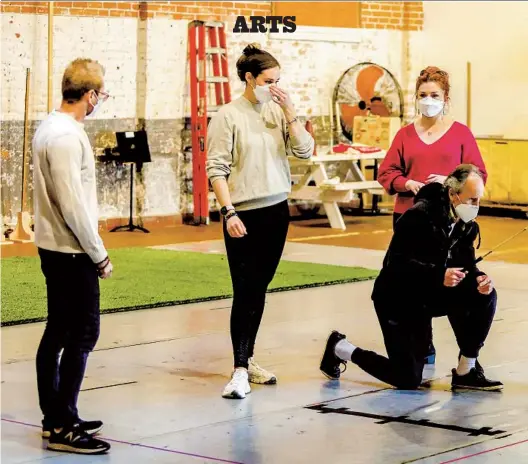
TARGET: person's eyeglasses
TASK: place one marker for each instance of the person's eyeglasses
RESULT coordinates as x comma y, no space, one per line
103,95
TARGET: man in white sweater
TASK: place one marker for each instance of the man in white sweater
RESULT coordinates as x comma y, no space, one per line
72,256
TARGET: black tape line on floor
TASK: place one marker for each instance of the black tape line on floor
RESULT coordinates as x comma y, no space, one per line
473,432
109,386
355,395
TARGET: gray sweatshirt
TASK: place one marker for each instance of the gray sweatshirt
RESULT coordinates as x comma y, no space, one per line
248,145
65,196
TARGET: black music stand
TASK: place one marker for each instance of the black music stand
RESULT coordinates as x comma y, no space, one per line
133,148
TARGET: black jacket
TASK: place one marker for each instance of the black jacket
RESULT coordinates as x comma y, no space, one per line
422,249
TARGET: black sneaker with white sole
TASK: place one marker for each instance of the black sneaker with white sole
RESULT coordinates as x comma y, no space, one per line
475,380
75,440
330,363
90,427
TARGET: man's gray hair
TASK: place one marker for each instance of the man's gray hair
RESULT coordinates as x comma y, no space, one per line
457,179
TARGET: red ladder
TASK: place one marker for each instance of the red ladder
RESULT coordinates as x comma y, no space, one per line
205,58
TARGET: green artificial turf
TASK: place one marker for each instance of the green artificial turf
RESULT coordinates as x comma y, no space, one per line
147,278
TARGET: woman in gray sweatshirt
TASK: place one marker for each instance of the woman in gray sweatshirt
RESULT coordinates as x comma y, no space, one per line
248,142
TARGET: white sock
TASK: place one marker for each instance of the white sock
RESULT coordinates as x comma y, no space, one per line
465,365
344,350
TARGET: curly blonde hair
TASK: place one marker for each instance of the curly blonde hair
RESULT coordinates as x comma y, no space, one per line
434,74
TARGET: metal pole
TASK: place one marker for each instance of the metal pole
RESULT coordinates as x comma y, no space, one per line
478,260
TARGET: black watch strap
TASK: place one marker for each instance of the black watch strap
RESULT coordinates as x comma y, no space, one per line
225,209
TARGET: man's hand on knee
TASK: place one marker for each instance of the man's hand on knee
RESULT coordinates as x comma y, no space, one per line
485,285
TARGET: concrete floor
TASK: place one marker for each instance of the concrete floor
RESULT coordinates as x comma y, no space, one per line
156,378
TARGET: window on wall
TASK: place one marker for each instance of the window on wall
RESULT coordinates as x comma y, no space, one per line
321,14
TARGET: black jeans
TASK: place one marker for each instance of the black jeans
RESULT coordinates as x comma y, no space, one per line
72,328
406,339
253,260
431,349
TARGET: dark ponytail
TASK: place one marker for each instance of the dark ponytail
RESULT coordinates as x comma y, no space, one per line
254,60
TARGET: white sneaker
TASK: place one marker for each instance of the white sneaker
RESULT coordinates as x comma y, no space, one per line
238,387
259,375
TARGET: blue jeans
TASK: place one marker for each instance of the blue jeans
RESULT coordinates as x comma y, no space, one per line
72,328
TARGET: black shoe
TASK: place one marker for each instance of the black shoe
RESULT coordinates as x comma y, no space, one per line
330,362
475,380
89,427
74,440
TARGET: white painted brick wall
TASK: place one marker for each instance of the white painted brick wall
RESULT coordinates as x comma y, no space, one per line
112,41
309,69
166,68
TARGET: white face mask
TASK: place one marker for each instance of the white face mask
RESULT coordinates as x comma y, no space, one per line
96,107
262,93
466,212
430,107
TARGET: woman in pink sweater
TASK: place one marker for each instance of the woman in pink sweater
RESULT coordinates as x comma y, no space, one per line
427,150
430,148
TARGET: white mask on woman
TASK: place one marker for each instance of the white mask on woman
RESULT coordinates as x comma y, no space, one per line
262,93
430,107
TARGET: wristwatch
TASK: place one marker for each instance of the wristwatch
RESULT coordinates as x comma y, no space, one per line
225,209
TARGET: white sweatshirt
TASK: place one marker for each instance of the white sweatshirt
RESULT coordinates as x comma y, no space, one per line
248,145
65,196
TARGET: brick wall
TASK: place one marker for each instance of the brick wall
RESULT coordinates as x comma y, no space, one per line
406,16
173,10
374,15
147,72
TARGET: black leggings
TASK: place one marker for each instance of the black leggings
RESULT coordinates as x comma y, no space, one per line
470,315
253,260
